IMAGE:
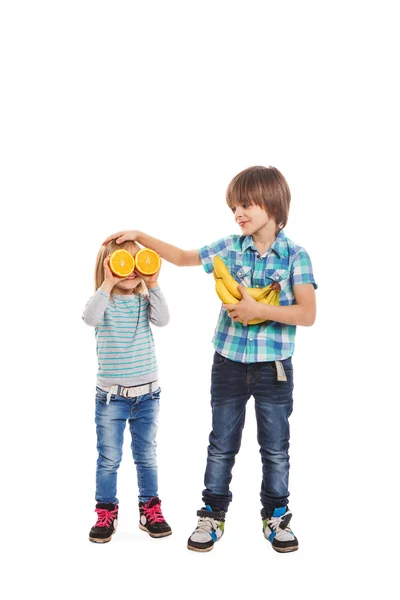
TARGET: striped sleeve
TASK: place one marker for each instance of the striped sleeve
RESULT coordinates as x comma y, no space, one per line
158,308
95,308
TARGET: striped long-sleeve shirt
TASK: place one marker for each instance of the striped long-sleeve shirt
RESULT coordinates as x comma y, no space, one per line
125,345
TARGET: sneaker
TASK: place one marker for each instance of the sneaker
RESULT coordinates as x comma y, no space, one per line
107,520
152,520
277,531
209,530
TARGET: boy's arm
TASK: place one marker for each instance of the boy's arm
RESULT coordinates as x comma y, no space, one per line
301,313
174,255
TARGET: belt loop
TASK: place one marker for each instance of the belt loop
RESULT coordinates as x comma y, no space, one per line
280,371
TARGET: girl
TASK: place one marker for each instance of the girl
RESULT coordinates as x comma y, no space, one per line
127,388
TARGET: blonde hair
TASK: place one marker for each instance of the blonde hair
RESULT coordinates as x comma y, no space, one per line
102,254
264,186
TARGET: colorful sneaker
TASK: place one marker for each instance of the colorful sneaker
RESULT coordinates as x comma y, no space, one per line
277,531
152,520
107,520
209,530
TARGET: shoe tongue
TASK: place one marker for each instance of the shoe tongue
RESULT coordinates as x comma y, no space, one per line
279,512
106,506
153,502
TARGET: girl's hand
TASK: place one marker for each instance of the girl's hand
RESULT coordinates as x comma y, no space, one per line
122,236
151,281
110,280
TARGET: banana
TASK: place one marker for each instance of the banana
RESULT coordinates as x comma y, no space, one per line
227,289
226,297
224,294
221,272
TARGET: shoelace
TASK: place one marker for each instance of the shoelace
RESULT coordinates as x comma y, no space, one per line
153,513
275,522
207,524
105,517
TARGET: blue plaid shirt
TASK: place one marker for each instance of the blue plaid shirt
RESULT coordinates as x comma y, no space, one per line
286,263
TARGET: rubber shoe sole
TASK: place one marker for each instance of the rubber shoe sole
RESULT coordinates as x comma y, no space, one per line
101,540
206,549
200,549
283,549
155,535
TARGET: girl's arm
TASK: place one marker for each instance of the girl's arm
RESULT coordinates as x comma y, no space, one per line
158,309
95,308
174,255
158,312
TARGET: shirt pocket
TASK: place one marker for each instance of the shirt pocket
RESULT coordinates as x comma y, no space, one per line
243,275
282,278
278,275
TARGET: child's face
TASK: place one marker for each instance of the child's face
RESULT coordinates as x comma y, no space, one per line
251,218
127,285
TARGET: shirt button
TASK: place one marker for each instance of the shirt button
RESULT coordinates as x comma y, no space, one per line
240,273
250,339
257,286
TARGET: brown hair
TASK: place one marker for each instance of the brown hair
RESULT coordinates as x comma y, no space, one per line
264,186
104,251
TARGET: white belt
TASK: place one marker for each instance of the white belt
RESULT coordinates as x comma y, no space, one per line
129,392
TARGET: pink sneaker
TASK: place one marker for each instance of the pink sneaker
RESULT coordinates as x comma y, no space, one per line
152,520
107,519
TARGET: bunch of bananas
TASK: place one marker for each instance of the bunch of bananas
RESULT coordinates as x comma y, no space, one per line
227,289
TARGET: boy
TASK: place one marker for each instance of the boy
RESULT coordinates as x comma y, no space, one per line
251,360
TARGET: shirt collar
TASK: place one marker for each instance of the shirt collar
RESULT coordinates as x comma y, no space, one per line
279,245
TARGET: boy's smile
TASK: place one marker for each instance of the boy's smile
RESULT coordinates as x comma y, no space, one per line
251,218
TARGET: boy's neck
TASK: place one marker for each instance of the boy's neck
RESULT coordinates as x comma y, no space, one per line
264,238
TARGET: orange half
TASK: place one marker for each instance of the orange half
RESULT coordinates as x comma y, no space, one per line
122,263
147,261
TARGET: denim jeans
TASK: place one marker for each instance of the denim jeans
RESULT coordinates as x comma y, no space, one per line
141,413
232,384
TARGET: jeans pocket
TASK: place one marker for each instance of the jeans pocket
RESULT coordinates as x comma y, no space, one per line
101,395
156,394
286,364
219,359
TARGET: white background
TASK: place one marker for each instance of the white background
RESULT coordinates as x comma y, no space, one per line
122,115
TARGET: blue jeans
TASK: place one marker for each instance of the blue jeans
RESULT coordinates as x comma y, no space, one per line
141,413
232,384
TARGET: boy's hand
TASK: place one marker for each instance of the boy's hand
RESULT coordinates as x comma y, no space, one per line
122,236
245,310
